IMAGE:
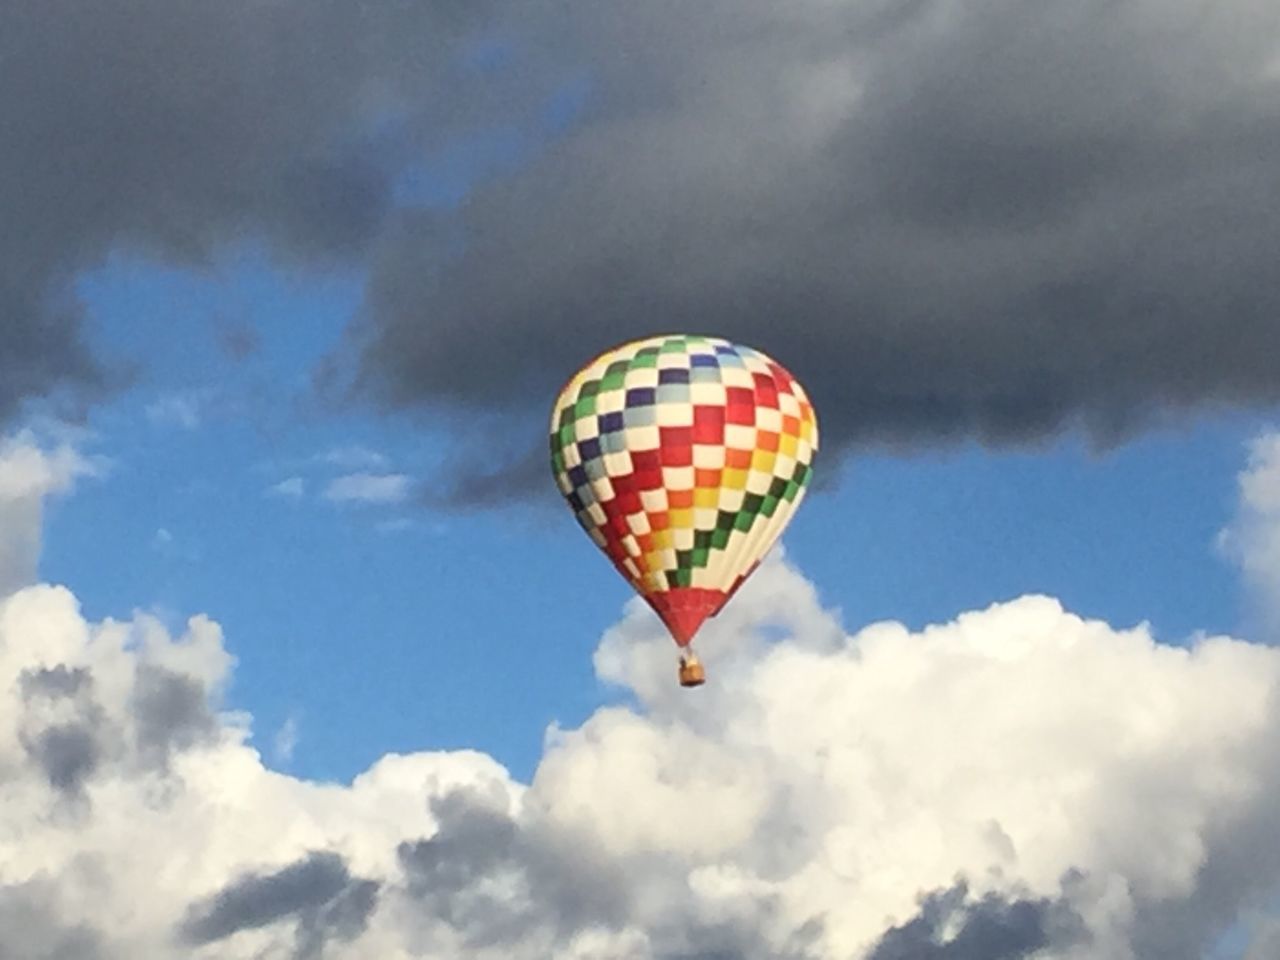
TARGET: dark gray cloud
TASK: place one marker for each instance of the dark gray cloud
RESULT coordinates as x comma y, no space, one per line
691,938
318,892
343,918
450,875
29,929
67,733
1266,941
961,220
952,926
496,880
170,129
62,725
952,220
68,754
56,682
171,713
481,476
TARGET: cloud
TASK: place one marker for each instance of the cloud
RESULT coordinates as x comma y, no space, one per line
291,487
62,725
239,341
952,220
488,477
170,712
1266,942
286,739
949,928
184,410
354,457
1016,744
235,135
363,474
1016,780
368,488
319,888
29,471
1253,538
32,932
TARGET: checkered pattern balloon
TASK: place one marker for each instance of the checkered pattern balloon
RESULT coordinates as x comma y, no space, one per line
683,458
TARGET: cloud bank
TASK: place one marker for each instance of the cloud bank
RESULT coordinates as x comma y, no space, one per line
1017,783
952,219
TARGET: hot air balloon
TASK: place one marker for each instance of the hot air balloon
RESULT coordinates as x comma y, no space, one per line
683,458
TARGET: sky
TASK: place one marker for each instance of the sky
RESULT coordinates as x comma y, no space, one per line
294,621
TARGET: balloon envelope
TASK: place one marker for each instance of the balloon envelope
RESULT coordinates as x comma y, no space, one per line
683,458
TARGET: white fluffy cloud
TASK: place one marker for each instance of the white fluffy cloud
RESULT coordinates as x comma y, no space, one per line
28,473
1018,780
1029,751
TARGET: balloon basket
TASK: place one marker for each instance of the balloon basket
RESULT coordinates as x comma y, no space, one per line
691,672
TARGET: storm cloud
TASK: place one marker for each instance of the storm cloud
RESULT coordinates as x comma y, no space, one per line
175,130
952,220
318,891
949,927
